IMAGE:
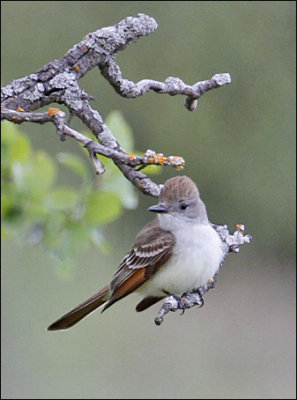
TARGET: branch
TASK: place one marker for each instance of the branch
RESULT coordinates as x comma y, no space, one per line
231,244
172,86
57,82
58,117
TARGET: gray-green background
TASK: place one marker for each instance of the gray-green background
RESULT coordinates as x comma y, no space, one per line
239,146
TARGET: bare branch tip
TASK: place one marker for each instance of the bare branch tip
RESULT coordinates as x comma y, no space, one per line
98,164
222,79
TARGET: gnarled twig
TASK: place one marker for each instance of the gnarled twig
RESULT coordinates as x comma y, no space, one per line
57,82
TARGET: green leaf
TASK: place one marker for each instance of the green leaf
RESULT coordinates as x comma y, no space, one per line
15,145
103,207
4,205
120,129
62,198
153,169
75,163
37,212
11,208
123,188
41,173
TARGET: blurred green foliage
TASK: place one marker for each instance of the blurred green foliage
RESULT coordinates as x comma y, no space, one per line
62,217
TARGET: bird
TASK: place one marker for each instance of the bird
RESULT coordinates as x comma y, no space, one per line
178,251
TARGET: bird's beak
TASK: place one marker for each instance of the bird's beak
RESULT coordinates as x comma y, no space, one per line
159,208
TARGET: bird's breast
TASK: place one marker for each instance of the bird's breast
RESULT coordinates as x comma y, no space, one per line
196,258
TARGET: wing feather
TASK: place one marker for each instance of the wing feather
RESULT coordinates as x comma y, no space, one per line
152,249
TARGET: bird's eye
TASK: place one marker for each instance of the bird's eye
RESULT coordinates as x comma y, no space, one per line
183,206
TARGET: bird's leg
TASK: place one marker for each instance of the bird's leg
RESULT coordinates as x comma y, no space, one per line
191,299
187,300
173,303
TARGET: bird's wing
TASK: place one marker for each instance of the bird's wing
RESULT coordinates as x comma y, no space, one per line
152,248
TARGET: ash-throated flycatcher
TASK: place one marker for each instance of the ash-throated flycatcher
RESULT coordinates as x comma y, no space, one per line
176,252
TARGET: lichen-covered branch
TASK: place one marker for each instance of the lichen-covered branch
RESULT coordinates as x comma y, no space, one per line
231,244
173,86
57,82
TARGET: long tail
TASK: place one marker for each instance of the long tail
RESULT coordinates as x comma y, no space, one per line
82,310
